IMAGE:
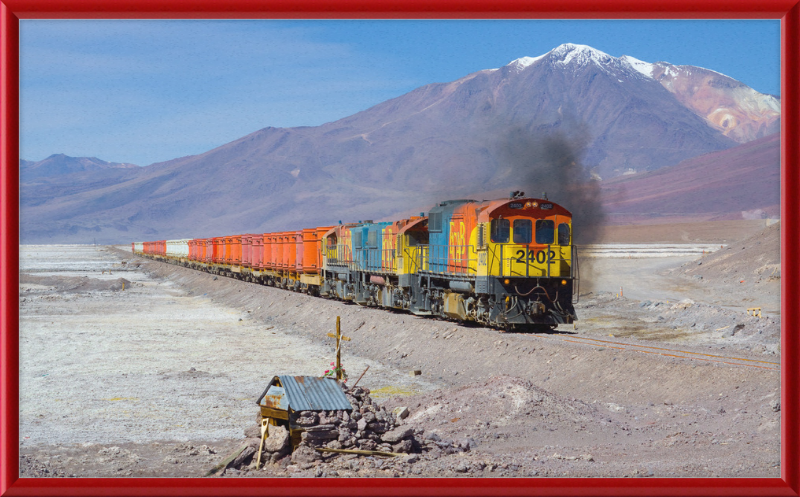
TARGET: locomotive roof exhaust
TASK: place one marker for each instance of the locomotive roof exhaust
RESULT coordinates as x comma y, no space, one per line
516,194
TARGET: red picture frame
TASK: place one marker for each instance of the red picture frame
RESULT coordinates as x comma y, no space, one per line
11,11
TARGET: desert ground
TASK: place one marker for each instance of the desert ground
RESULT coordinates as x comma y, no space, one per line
136,368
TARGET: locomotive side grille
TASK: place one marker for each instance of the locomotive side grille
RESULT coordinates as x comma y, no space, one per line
435,222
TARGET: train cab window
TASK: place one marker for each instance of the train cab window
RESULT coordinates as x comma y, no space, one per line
545,230
501,229
372,239
357,239
522,231
563,234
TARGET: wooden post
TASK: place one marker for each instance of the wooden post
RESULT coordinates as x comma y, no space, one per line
338,336
338,349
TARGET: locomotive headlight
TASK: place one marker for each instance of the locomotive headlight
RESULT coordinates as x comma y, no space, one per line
535,204
506,281
563,282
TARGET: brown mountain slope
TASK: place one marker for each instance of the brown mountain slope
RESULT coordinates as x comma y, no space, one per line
738,183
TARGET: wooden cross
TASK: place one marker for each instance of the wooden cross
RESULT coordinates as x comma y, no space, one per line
338,336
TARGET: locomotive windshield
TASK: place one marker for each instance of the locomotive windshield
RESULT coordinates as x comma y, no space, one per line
544,231
522,231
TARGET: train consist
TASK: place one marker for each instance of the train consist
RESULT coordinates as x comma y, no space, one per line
506,263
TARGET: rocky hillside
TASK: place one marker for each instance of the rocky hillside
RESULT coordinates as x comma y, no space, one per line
738,111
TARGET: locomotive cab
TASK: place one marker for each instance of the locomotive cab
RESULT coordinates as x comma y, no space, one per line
525,261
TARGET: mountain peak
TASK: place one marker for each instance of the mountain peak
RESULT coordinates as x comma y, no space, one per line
579,54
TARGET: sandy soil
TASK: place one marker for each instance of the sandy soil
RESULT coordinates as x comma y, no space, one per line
159,379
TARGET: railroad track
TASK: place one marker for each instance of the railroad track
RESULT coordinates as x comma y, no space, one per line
668,352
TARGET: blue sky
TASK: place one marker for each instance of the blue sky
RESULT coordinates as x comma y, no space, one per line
150,91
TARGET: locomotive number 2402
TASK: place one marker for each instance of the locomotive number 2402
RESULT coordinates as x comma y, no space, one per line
525,256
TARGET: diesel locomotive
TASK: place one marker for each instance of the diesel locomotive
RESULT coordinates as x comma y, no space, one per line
507,263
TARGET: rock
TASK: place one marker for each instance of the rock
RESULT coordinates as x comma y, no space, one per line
277,439
367,444
377,427
403,447
411,459
305,455
334,444
467,443
325,427
344,434
433,437
362,424
697,277
400,412
775,405
253,431
397,434
307,419
317,436
370,417
243,458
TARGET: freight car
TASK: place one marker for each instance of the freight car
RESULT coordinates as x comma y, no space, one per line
507,263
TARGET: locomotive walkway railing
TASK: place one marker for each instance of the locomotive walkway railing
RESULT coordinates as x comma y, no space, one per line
448,260
364,259
461,260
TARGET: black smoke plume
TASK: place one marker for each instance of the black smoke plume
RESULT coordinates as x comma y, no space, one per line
552,164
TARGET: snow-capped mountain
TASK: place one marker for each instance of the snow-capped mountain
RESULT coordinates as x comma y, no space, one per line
488,131
738,111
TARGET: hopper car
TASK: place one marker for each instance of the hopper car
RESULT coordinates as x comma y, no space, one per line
508,263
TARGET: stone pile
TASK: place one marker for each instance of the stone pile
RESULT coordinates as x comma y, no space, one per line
367,427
